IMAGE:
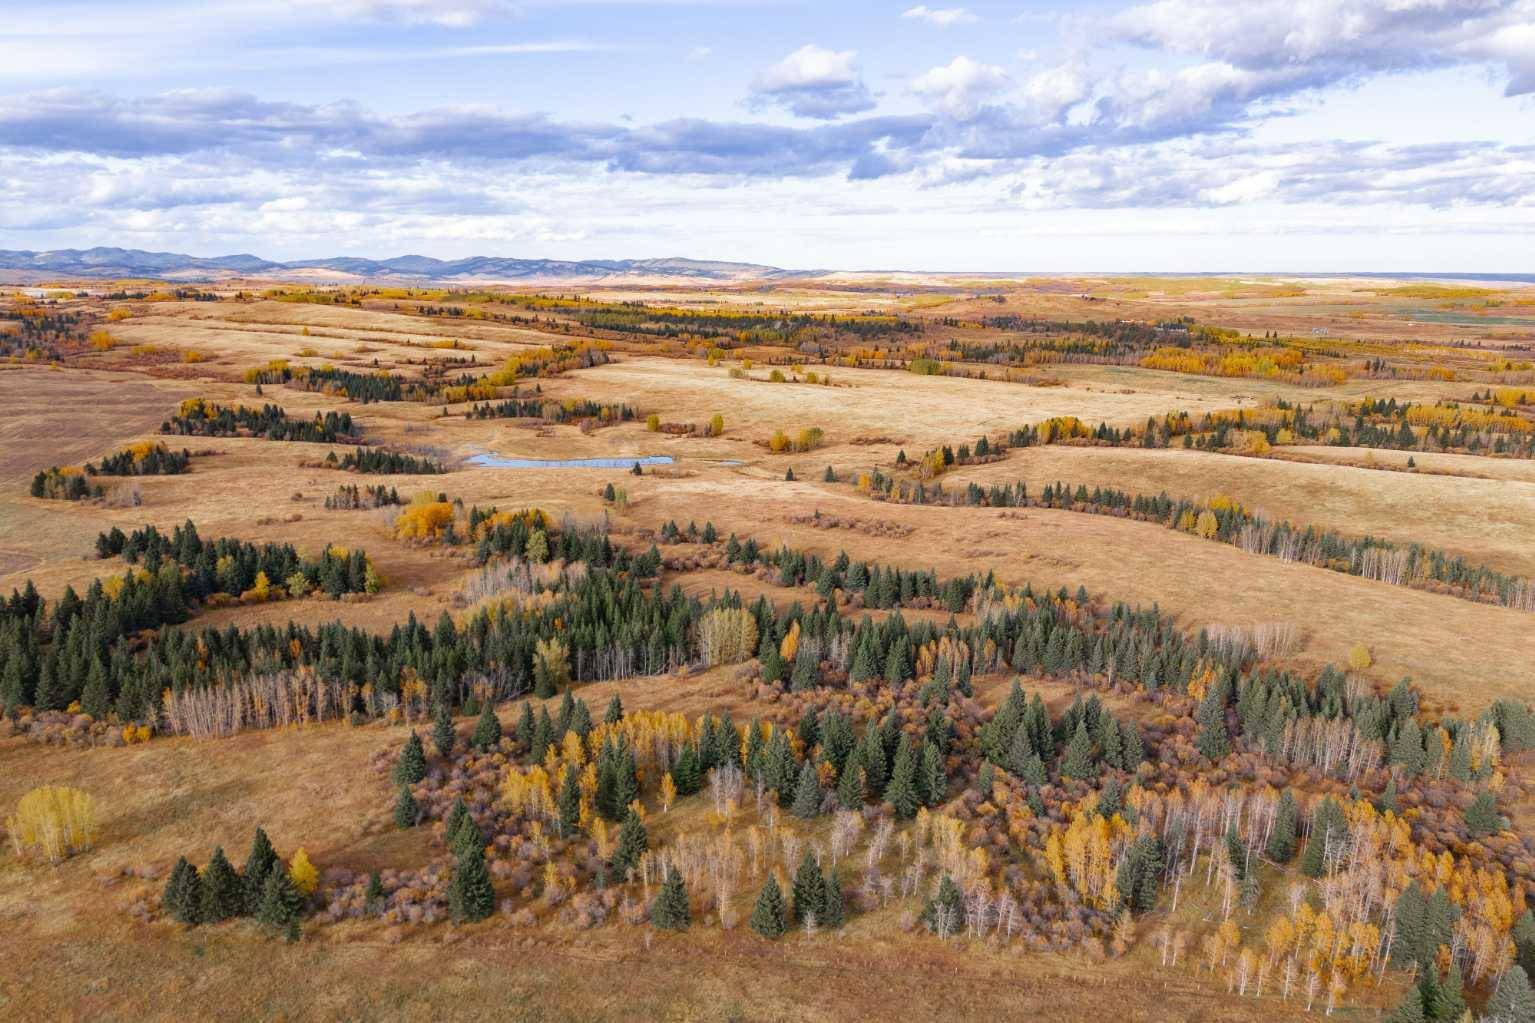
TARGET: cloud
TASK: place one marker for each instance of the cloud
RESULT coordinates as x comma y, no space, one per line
814,82
446,13
1329,41
961,86
941,17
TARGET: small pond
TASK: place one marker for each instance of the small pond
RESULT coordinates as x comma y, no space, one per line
497,462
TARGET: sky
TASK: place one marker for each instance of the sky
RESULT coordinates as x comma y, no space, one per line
1170,135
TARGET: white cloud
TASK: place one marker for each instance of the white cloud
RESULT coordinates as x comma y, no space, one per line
815,82
942,17
960,87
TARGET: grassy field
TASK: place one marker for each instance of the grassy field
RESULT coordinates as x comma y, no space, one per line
75,947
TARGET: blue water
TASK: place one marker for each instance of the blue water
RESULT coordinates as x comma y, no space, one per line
497,462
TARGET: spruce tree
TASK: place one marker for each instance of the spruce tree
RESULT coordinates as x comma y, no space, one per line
850,786
281,902
471,897
807,793
615,711
411,767
223,894
670,911
1281,843
373,896
633,841
258,864
183,895
1078,762
809,890
933,778
1482,816
407,814
834,912
946,909
569,800
1524,941
487,730
1512,1002
768,916
443,735
901,793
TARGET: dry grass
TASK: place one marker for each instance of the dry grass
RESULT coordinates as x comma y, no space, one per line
1487,521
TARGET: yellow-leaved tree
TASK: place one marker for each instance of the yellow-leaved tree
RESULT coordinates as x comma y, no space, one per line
53,821
303,873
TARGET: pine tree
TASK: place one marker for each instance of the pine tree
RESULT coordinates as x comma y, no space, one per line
373,896
1078,762
768,917
809,890
443,735
670,911
1410,1009
471,897
615,711
807,793
183,897
1452,996
934,779
569,800
258,865
945,911
1512,1002
901,793
487,730
1281,843
407,814
223,895
850,786
281,902
834,912
411,767
1482,816
1524,941
633,841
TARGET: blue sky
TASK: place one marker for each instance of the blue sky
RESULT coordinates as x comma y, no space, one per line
1171,135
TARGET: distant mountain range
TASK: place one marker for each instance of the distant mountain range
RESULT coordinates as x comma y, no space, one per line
174,266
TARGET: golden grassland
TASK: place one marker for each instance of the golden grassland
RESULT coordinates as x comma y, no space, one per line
73,949
1488,521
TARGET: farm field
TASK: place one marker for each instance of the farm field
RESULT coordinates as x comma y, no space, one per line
508,714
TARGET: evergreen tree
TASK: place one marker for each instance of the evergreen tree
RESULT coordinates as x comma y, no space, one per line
1140,874
1281,843
670,911
1482,816
374,895
934,780
411,767
768,916
455,820
615,711
809,890
407,814
1078,762
633,841
471,897
443,735
183,896
807,793
223,894
834,912
850,786
1410,1009
1524,941
569,800
1512,1002
945,911
258,864
281,903
901,793
487,730
1452,996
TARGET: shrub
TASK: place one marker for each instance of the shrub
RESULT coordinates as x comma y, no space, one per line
53,821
